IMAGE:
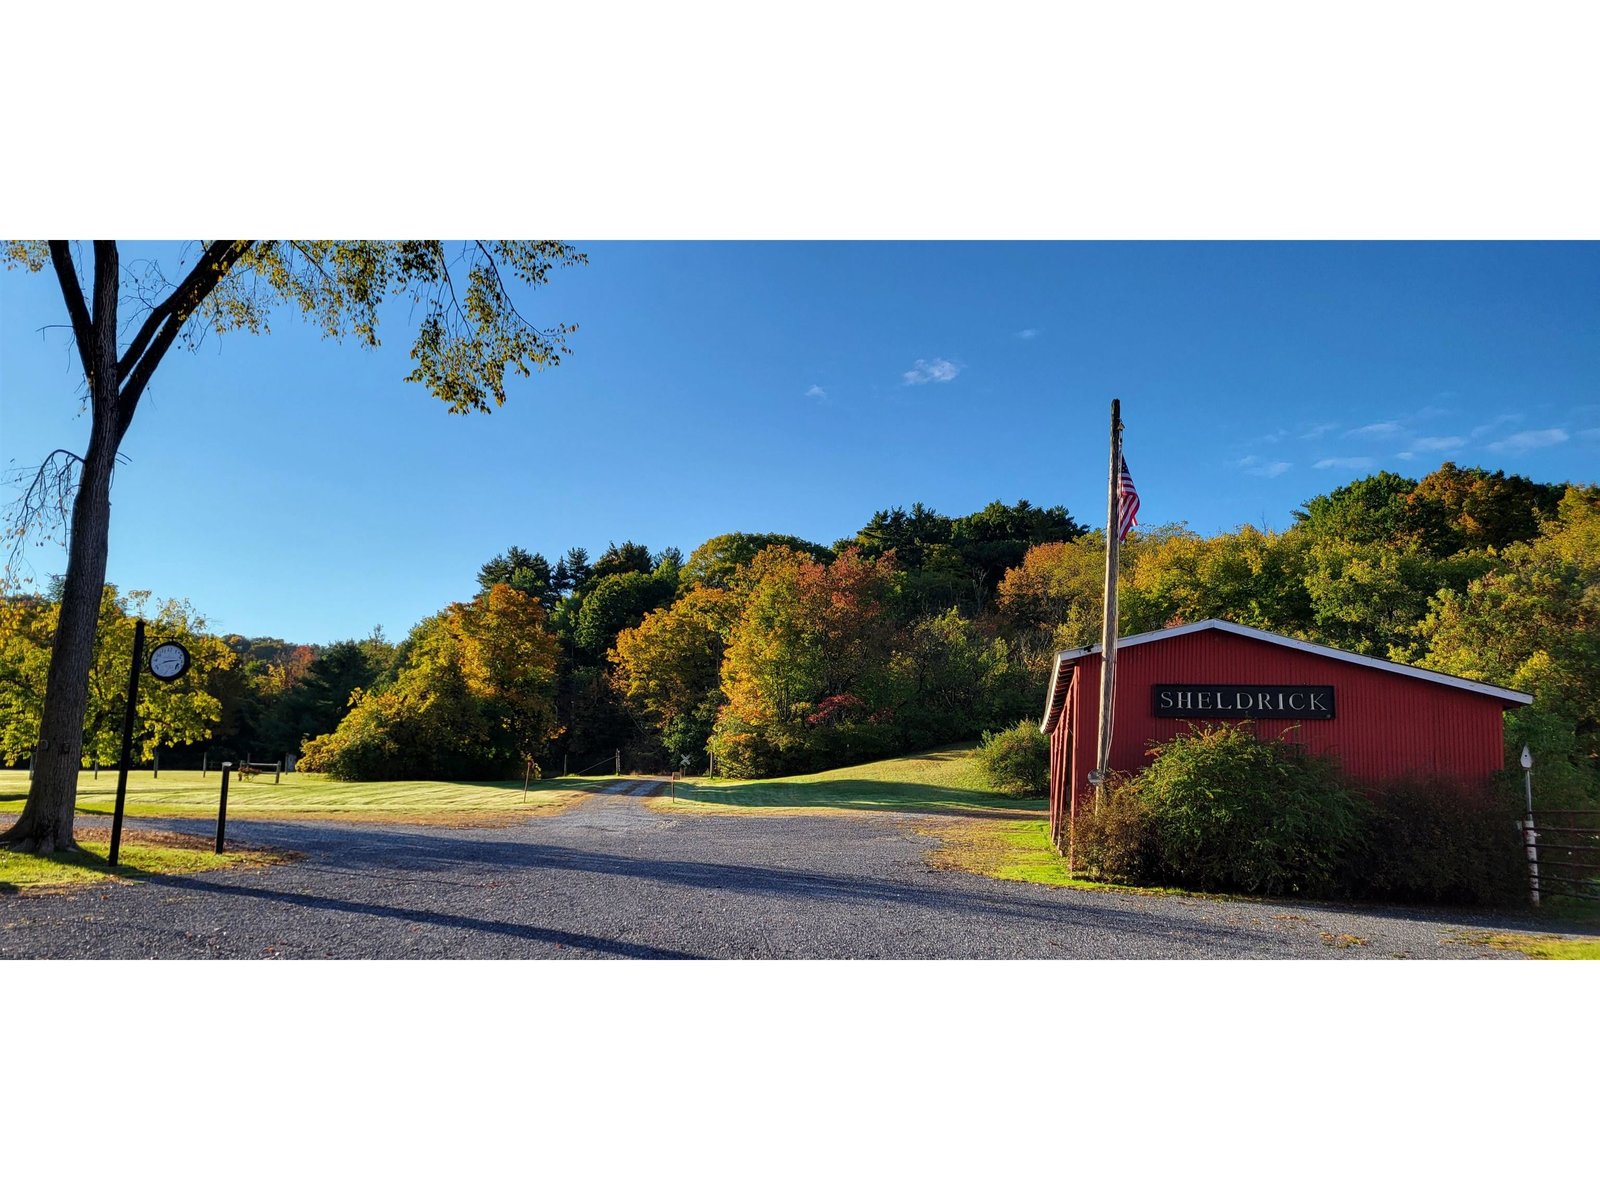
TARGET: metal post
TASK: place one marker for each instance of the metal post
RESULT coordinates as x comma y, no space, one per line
563,764
1108,629
205,761
1530,836
127,740
618,771
222,807
156,773
278,774
527,772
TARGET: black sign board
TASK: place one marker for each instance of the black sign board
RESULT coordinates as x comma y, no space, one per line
1275,701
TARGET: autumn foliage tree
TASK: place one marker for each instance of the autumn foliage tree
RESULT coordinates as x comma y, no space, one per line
475,699
469,335
803,673
1532,622
174,714
670,667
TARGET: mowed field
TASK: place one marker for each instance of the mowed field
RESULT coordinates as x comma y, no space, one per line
945,782
311,797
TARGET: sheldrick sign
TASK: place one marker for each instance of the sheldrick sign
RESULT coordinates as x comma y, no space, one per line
1313,702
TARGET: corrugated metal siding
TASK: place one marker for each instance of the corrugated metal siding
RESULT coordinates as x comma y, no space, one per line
1387,724
1060,772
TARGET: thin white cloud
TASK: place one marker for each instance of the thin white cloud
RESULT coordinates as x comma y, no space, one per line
1027,334
938,370
1317,431
1530,439
1405,455
816,392
1256,466
1491,426
1354,464
1428,411
1380,429
1438,443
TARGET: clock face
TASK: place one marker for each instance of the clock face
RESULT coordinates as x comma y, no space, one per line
168,660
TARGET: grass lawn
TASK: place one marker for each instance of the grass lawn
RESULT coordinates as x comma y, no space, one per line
141,856
311,797
935,783
1536,945
1016,850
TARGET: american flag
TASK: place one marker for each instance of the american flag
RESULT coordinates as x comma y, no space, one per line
1127,503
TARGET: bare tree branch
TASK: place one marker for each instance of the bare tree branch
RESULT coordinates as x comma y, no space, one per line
45,505
218,259
107,295
77,309
205,276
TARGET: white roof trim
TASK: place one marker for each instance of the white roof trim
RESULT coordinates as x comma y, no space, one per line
1360,660
1050,693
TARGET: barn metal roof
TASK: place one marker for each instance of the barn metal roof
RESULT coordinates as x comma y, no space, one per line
1053,704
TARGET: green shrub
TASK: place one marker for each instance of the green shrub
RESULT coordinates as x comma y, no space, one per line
1016,760
1113,839
1230,813
1431,838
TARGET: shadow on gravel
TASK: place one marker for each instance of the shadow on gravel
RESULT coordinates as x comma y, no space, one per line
372,851
532,933
367,849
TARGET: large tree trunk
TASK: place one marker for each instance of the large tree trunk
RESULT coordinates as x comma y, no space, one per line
47,819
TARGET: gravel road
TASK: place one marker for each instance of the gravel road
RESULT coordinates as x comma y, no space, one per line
611,878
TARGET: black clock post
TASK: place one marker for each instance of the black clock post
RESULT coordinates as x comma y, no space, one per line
168,662
127,739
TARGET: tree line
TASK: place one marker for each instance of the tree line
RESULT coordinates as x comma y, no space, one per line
780,655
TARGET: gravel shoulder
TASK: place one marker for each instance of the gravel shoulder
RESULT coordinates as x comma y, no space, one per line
613,878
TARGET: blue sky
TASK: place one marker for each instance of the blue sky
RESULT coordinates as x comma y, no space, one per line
296,487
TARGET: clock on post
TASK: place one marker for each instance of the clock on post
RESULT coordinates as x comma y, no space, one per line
169,661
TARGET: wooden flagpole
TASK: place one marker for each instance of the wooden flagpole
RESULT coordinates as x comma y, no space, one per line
1108,629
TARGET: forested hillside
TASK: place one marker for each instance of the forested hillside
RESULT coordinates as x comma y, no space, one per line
779,655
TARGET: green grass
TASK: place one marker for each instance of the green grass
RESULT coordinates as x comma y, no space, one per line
139,857
943,782
1016,850
1543,945
311,797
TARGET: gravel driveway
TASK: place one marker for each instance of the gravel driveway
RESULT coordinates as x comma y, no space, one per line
611,878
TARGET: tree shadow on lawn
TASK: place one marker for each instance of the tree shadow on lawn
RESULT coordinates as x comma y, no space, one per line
913,799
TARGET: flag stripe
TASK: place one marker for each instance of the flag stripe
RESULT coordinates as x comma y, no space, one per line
1127,503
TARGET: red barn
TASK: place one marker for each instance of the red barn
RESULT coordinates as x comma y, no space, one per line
1380,718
